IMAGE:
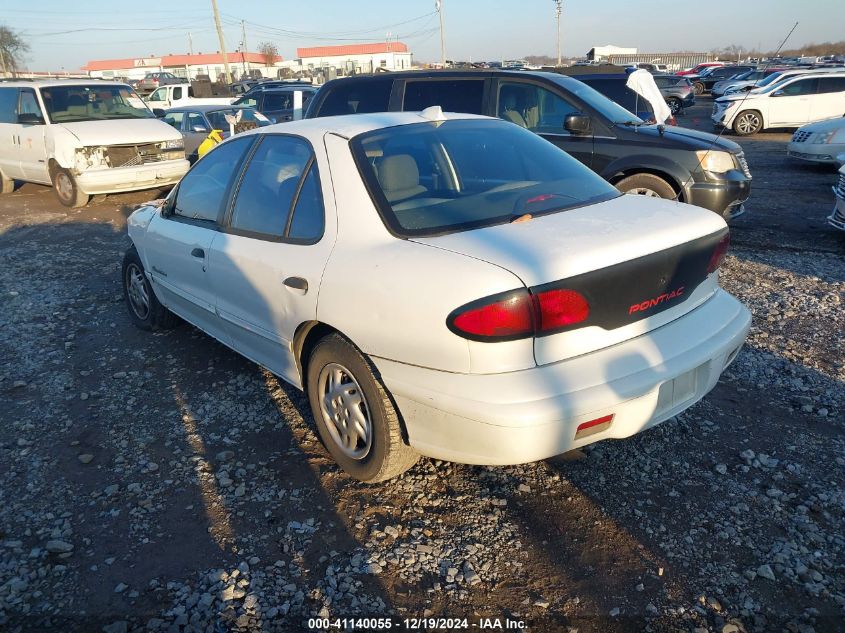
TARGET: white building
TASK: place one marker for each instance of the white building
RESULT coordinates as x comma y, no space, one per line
603,52
351,59
188,66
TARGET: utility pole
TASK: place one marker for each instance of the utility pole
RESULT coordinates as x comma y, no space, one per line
438,6
222,41
245,48
3,62
558,11
190,43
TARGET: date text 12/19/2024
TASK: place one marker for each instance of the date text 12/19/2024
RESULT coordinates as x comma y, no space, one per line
415,624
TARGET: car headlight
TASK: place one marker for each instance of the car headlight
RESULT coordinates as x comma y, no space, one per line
176,143
823,137
717,162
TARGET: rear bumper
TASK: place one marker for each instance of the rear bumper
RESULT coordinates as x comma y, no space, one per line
534,414
132,178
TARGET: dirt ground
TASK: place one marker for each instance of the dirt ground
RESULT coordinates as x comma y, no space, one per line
162,482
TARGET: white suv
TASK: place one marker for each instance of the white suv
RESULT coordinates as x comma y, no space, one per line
84,138
790,103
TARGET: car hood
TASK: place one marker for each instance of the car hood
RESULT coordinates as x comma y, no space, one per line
691,138
121,131
824,126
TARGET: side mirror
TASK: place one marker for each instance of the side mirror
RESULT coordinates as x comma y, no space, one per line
199,129
577,124
159,113
30,118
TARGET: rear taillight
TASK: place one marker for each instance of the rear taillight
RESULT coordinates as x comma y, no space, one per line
719,254
559,308
497,318
519,314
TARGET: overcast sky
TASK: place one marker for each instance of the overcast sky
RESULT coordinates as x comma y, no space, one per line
62,38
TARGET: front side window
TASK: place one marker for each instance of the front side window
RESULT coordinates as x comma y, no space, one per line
196,122
204,189
451,95
92,102
275,181
533,107
174,119
159,94
274,101
435,178
800,88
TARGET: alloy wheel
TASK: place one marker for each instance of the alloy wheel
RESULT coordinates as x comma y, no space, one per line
64,186
748,123
345,411
136,290
643,191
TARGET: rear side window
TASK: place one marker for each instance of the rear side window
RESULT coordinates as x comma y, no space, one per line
281,176
452,96
8,104
205,188
831,84
431,179
354,97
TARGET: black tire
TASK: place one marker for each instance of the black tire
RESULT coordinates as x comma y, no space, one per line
7,185
67,190
676,106
748,122
646,185
698,88
384,454
156,316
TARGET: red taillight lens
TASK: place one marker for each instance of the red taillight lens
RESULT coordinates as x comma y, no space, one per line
719,254
559,308
518,314
501,318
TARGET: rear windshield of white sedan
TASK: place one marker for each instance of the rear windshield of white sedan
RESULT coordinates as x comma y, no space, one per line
441,177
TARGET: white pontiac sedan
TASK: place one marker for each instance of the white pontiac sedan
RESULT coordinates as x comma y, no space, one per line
446,285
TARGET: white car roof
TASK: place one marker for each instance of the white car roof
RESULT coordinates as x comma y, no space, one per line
349,125
49,83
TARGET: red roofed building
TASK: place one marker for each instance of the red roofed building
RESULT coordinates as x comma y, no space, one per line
210,64
348,59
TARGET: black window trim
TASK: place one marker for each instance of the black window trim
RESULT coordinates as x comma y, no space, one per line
169,210
226,224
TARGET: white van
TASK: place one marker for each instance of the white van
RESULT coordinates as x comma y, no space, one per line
792,102
84,138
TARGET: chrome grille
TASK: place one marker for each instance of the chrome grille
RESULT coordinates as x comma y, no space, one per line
132,155
839,189
800,137
743,164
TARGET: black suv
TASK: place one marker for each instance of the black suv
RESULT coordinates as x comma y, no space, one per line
704,83
277,102
638,158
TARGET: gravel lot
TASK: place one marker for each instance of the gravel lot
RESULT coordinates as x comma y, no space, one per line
163,483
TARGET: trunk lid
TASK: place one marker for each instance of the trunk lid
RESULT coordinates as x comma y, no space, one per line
640,263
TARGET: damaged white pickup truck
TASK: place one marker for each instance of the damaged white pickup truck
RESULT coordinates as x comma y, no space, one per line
84,138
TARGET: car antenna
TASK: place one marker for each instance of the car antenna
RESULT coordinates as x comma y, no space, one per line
433,113
722,131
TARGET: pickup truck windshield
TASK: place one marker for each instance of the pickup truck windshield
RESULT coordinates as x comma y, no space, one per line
68,104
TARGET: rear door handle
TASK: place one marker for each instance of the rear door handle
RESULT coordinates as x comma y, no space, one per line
198,252
297,285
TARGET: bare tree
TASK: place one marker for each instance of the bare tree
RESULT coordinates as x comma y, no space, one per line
270,52
12,49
